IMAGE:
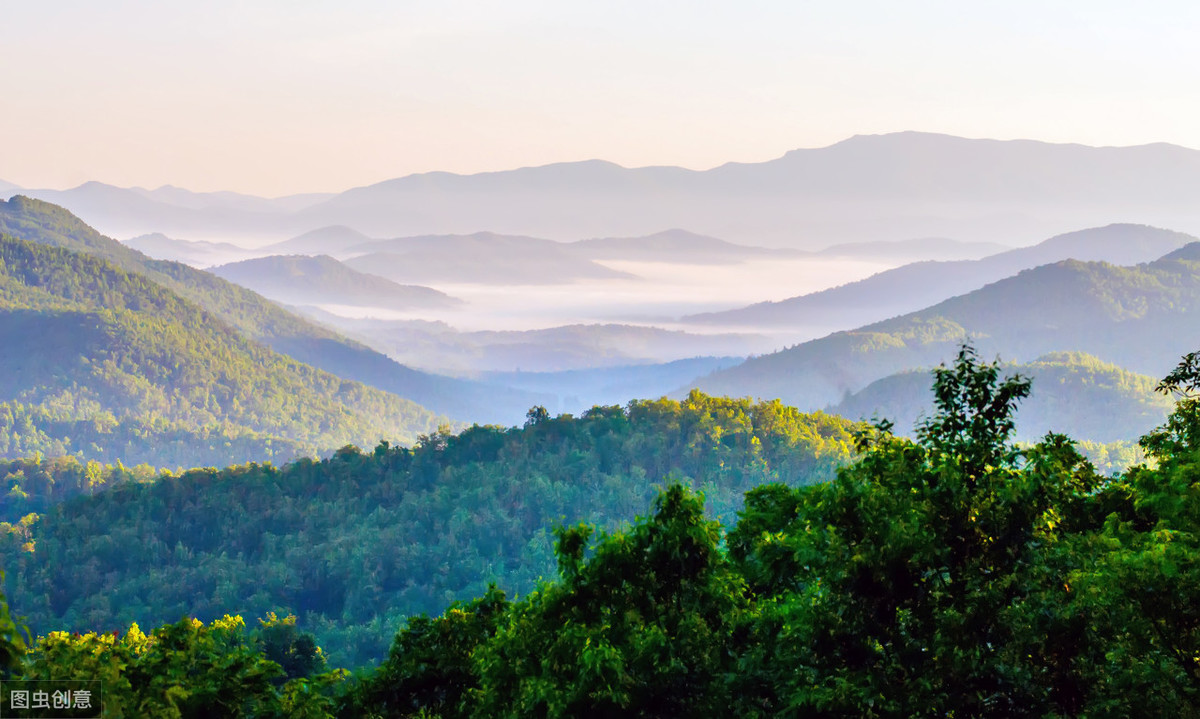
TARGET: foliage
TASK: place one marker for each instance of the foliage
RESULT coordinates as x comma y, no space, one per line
354,544
954,574
640,629
185,669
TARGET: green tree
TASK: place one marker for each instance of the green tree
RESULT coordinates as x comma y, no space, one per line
430,670
887,583
638,629
185,669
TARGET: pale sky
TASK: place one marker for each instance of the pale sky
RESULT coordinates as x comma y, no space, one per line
275,97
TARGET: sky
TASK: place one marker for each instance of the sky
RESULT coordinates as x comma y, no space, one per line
279,97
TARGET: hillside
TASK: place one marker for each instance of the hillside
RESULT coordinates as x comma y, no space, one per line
1129,316
261,320
304,280
1073,394
105,363
920,284
356,543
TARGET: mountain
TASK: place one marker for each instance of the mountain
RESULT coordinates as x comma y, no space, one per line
920,248
920,284
127,212
335,240
865,188
194,253
1073,394
7,188
482,257
1135,317
181,197
108,364
675,245
302,280
258,319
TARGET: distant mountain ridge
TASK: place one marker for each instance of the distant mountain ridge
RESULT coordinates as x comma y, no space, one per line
189,252
1139,318
336,240
866,188
482,257
913,286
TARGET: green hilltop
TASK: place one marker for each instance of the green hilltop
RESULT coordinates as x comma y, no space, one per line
1073,393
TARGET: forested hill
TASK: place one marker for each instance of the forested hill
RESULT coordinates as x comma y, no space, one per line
1073,394
952,575
1135,317
356,543
104,363
259,319
918,285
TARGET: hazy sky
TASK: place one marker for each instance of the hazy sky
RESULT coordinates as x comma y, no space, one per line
275,97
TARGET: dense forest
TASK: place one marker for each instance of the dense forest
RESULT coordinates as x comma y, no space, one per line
952,574
355,543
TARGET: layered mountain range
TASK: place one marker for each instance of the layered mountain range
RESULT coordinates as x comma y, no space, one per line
866,188
252,318
1139,318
